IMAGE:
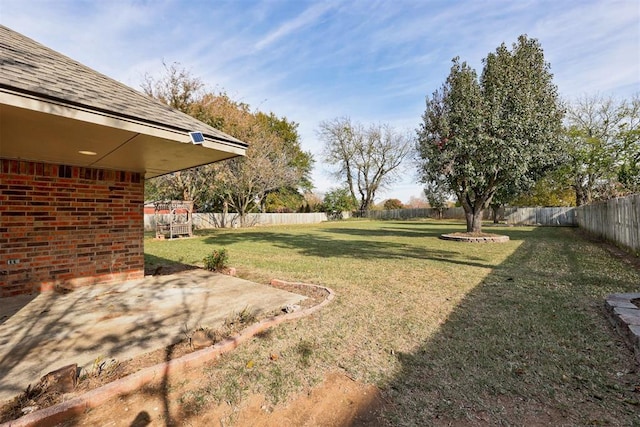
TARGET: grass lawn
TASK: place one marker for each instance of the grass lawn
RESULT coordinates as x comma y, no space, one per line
510,333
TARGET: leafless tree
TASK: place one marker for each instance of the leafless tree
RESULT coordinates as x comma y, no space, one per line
367,159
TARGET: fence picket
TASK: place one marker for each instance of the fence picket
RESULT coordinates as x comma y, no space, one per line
617,220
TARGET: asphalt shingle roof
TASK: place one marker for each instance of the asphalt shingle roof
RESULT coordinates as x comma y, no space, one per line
29,67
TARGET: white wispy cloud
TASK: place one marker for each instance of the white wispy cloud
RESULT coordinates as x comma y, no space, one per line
309,16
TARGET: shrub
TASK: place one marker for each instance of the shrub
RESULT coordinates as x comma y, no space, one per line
216,260
339,200
391,204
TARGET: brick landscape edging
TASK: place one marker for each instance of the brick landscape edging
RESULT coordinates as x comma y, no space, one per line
94,398
624,315
472,239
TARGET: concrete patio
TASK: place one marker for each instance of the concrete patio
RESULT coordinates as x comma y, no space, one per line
41,333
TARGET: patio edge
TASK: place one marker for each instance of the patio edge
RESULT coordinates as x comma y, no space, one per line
624,315
94,398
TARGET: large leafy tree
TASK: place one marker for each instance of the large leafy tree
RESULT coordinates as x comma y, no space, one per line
242,184
287,131
602,139
274,160
478,134
367,159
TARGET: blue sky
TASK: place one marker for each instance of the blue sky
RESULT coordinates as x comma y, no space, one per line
374,61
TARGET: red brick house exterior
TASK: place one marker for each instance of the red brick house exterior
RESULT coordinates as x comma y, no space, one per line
68,226
75,148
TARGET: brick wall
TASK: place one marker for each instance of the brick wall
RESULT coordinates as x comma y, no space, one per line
66,226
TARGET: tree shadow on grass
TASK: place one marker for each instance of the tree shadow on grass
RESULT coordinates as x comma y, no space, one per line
530,345
426,230
326,246
339,242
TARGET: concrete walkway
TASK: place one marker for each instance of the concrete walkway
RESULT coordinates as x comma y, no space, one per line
41,333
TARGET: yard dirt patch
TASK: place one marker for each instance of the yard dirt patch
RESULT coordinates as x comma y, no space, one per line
337,401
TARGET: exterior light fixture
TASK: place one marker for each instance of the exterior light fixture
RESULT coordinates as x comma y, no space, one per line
87,153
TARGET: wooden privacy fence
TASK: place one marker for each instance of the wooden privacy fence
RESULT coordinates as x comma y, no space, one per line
447,213
617,220
219,220
516,216
562,217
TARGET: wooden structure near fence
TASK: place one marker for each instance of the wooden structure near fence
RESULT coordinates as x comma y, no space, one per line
173,219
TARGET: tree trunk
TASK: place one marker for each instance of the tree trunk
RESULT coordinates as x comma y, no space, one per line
581,197
494,210
474,221
225,212
474,209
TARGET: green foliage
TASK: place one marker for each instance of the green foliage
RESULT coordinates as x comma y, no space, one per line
284,200
152,190
273,161
216,260
629,175
602,142
391,204
288,132
339,200
436,194
547,192
479,134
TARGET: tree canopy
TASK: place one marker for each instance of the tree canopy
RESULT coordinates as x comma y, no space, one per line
479,134
274,160
602,140
367,159
391,204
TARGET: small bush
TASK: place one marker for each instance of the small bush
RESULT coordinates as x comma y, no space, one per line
216,260
391,204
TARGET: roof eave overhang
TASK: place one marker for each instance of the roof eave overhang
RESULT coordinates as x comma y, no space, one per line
70,110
